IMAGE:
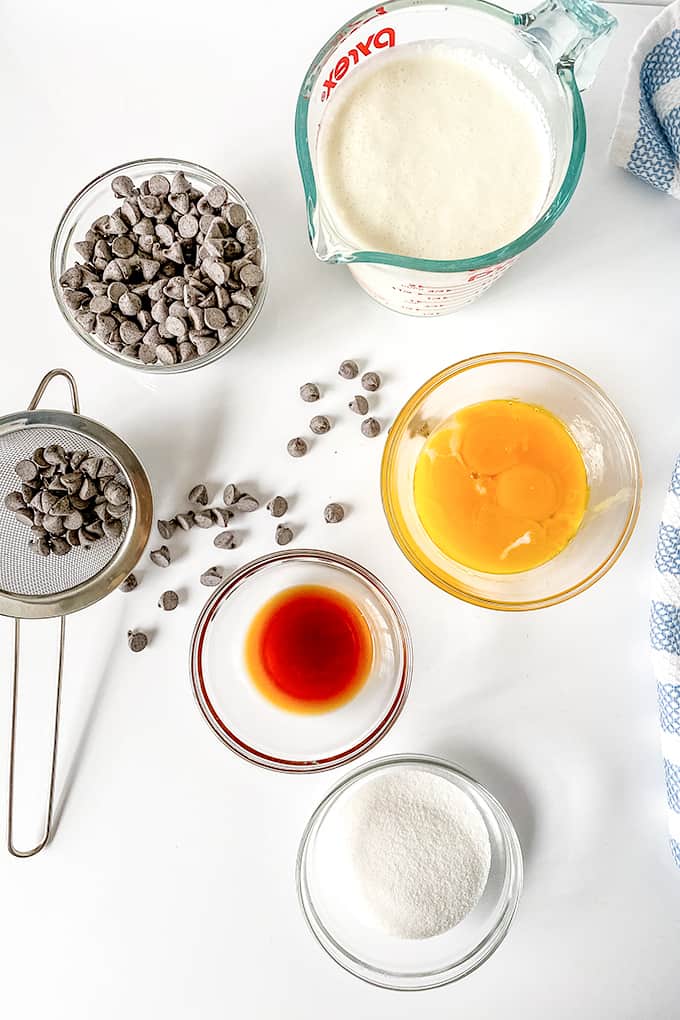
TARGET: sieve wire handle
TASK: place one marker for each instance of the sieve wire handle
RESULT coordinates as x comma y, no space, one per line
53,769
75,403
46,380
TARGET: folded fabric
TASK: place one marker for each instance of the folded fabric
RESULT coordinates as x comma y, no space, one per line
665,641
646,140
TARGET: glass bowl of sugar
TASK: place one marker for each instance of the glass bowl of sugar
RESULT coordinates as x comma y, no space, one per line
409,873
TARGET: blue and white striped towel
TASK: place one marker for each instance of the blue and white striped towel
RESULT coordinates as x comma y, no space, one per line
647,136
665,640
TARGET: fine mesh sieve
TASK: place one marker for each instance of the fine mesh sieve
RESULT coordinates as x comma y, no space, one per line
37,587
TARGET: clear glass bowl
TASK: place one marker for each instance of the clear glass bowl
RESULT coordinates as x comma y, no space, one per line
608,450
97,199
254,727
411,964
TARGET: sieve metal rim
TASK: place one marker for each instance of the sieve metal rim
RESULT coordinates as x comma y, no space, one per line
38,607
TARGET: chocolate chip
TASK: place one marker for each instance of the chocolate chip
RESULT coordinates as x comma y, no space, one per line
112,528
199,495
217,196
123,186
277,506
247,503
230,495
26,470
185,521
215,318
359,404
169,600
225,540
159,185
370,427
320,425
129,584
25,516
309,392
116,493
348,370
187,226
296,447
59,546
161,557
333,513
283,534
213,576
166,354
137,640
15,501
221,515
204,519
166,529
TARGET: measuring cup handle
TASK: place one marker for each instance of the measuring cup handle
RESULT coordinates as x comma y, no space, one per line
46,380
47,831
575,32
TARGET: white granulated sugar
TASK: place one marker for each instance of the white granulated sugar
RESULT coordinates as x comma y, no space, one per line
406,852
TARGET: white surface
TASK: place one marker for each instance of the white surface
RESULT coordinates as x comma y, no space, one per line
168,891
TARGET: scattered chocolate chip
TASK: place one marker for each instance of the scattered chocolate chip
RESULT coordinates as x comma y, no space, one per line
320,424
225,540
185,521
213,576
370,381
370,427
296,447
161,557
137,640
309,392
230,495
348,370
247,503
169,600
204,519
199,494
333,513
283,534
129,584
277,506
359,405
222,515
166,529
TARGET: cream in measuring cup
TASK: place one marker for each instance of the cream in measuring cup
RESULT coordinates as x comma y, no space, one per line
435,153
437,141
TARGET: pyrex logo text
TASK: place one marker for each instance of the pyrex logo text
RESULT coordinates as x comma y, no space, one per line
381,40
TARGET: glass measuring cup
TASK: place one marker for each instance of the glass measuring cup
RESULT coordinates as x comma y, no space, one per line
553,51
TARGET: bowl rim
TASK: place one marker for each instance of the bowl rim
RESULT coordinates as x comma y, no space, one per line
512,885
398,428
235,743
59,241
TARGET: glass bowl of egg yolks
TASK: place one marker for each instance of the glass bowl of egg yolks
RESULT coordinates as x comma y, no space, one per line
511,481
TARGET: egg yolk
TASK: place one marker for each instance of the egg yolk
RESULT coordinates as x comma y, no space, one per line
501,486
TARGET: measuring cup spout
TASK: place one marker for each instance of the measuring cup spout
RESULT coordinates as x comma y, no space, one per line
575,32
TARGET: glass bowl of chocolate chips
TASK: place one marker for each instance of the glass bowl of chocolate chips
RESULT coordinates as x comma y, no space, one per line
159,264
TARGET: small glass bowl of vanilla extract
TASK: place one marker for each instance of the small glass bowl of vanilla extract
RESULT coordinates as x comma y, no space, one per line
301,661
